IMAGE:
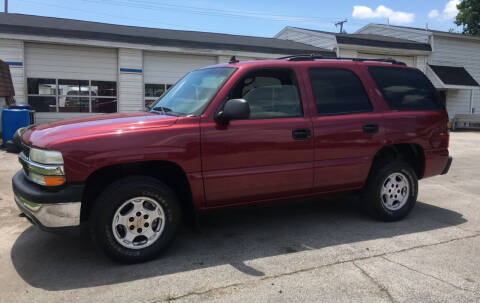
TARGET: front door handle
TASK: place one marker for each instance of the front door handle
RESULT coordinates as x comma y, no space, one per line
370,128
301,133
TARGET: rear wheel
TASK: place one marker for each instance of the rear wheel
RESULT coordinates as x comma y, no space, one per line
134,219
391,190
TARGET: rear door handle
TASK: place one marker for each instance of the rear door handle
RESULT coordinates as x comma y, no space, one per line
301,133
370,128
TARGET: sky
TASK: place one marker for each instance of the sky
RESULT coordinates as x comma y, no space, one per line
248,17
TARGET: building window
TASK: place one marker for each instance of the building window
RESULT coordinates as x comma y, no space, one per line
103,94
73,96
42,94
154,91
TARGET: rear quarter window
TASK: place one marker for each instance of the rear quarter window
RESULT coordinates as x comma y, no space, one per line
405,89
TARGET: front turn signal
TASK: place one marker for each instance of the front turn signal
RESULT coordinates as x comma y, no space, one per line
54,180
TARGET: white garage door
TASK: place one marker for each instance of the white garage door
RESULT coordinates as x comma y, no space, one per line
162,68
84,77
408,60
70,62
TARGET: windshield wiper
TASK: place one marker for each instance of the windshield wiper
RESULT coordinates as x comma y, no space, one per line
164,110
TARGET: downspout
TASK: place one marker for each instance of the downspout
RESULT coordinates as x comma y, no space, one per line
472,110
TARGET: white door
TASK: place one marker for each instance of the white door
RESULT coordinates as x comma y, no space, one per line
164,68
53,64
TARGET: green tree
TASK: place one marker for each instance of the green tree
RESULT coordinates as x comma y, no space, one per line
469,16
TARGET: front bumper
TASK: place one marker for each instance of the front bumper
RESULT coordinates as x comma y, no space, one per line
49,209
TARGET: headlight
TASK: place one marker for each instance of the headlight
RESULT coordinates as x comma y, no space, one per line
44,167
46,156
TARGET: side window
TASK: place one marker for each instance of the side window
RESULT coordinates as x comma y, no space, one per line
338,91
405,89
271,93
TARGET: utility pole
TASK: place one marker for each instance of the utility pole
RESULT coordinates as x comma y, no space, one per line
6,6
341,24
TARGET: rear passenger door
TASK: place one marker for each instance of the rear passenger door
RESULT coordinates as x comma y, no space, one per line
347,129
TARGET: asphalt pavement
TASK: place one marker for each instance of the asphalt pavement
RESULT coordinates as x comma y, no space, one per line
311,250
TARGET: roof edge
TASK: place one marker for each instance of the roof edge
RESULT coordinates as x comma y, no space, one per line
31,25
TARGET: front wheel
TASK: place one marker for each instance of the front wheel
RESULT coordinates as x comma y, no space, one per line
391,190
134,219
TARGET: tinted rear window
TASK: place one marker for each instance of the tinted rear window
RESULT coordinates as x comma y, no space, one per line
405,89
338,91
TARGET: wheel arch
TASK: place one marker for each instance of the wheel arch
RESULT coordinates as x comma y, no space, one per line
412,153
168,172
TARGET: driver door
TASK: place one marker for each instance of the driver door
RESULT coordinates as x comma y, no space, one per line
267,156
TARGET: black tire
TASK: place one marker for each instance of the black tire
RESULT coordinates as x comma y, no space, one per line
113,197
372,198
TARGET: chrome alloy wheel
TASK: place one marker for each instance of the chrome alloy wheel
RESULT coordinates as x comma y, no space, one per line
395,191
138,222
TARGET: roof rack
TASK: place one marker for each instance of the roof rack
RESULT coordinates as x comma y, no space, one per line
304,57
311,57
388,60
234,59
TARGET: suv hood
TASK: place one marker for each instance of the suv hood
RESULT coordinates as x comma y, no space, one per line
46,135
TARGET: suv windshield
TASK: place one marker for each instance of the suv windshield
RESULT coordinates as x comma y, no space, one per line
193,92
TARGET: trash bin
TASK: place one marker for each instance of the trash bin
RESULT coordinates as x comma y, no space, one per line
19,106
24,106
13,119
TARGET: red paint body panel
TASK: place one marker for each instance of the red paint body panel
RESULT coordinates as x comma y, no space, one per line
255,159
89,144
249,161
343,153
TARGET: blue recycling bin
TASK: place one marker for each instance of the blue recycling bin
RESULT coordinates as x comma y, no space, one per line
19,106
13,119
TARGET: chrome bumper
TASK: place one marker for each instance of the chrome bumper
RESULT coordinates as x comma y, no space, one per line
50,215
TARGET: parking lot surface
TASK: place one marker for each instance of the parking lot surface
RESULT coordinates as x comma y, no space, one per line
312,250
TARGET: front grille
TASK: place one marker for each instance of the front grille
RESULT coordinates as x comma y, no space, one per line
26,150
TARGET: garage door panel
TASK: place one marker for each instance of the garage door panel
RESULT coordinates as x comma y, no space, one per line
169,68
70,62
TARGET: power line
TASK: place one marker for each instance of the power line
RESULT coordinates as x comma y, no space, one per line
100,14
149,5
142,4
219,12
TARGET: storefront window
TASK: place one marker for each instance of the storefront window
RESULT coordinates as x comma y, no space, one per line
73,96
154,91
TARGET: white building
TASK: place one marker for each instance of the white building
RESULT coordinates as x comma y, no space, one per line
450,60
66,68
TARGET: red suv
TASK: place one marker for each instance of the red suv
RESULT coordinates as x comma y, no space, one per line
235,134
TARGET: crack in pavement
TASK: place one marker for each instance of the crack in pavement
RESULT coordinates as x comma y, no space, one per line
380,286
425,274
199,293
193,293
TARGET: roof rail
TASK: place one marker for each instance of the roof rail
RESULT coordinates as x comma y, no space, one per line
311,57
388,60
303,57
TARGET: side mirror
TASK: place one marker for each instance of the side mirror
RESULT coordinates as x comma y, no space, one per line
234,109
